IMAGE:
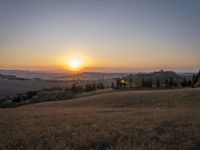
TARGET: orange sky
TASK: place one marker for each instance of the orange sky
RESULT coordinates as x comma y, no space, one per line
103,35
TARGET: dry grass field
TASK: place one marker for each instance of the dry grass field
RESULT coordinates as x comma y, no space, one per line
165,119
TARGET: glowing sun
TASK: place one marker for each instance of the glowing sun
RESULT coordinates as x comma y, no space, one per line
74,64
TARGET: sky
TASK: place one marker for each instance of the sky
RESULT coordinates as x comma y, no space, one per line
105,35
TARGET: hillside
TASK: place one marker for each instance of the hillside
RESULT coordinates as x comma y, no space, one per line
166,119
154,98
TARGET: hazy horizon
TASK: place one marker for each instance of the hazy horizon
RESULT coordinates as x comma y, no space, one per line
104,36
117,70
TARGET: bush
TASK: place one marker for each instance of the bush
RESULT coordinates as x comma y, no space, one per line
30,94
90,87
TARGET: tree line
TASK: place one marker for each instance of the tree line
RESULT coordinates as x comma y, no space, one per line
59,91
168,82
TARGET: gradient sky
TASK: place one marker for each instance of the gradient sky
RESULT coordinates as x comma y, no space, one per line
108,35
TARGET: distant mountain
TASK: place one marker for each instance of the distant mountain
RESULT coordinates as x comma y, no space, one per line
60,76
11,77
31,74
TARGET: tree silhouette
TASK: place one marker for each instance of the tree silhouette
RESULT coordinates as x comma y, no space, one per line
166,83
195,78
90,87
184,83
73,88
143,82
131,81
112,85
150,83
199,74
189,83
158,82
175,83
171,82
118,83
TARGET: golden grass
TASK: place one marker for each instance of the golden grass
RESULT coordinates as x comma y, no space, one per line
124,120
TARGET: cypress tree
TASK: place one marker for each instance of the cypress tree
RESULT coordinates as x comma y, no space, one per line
150,83
158,82
166,83
189,83
143,83
112,85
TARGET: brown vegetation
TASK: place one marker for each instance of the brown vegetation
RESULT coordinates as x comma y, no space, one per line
167,119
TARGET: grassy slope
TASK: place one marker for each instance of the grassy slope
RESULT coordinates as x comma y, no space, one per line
154,98
168,119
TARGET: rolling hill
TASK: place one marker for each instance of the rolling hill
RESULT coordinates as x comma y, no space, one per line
148,98
165,119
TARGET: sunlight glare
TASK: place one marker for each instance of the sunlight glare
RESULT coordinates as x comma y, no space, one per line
74,63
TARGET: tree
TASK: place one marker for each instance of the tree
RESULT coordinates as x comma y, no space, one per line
189,83
199,73
73,88
184,83
193,85
150,83
131,81
166,83
143,82
158,82
66,89
94,86
101,86
175,83
112,85
89,87
171,82
76,88
118,83
17,99
30,94
195,78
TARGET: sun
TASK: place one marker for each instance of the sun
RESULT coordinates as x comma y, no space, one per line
75,64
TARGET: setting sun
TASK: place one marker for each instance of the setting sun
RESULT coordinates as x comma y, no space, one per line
74,64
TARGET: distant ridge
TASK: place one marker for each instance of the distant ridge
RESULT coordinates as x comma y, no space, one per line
162,75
